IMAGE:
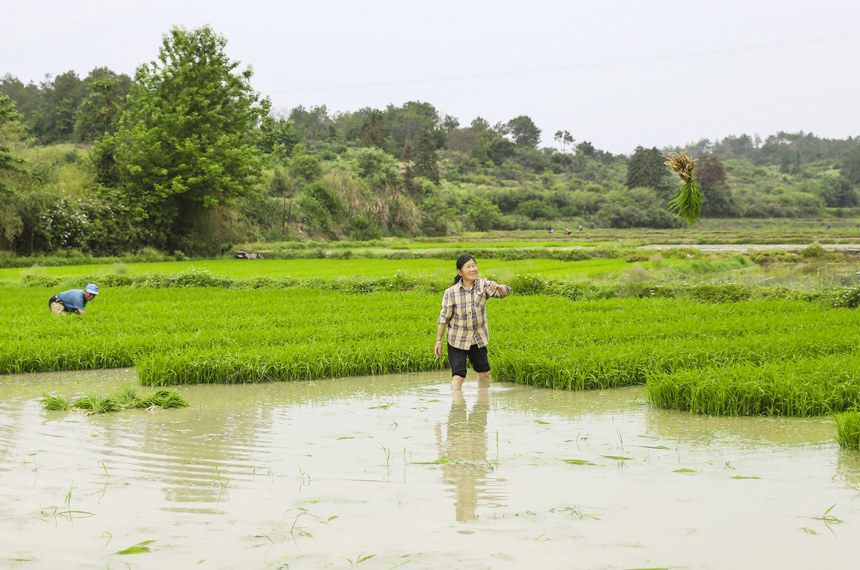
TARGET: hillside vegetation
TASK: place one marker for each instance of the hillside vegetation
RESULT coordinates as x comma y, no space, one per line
110,164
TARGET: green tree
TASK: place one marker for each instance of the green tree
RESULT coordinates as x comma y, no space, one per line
483,214
426,160
524,131
278,137
837,192
374,165
403,123
8,161
306,168
186,146
26,97
586,149
851,166
497,148
311,124
372,131
60,98
646,169
479,125
717,199
98,113
408,173
564,138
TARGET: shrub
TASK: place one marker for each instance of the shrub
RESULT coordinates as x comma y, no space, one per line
814,251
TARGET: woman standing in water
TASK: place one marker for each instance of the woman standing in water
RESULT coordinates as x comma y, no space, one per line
464,312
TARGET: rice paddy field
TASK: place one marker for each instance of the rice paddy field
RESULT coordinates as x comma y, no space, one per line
786,358
334,268
640,432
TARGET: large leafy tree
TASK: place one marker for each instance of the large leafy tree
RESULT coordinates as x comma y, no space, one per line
426,159
718,201
100,110
524,131
646,169
851,166
186,147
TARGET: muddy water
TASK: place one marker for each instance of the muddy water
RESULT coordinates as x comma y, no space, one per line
392,472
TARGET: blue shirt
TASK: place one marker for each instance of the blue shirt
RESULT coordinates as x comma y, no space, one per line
73,300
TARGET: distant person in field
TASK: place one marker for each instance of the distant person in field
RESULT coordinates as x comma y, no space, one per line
567,231
73,300
464,312
580,227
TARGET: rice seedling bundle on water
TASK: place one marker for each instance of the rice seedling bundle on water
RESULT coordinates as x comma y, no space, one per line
124,399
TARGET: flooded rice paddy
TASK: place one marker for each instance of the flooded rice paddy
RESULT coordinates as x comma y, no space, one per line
394,472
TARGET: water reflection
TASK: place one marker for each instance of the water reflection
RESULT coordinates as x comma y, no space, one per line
465,467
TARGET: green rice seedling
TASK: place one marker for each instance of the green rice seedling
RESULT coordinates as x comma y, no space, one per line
125,397
54,403
139,548
96,404
164,399
848,429
804,387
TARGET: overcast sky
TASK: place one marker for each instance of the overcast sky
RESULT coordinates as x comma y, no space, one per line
616,73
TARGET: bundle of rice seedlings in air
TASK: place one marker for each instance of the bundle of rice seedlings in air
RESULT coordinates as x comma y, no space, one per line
96,404
54,402
687,203
164,399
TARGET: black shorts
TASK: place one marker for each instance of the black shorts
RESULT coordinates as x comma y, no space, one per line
477,358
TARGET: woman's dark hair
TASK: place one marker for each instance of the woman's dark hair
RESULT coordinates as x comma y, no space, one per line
461,261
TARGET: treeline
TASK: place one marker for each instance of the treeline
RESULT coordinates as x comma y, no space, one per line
66,108
186,157
788,151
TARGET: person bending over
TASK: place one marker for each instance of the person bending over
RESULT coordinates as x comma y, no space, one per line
73,300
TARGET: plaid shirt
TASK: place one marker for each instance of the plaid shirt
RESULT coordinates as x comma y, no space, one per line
465,313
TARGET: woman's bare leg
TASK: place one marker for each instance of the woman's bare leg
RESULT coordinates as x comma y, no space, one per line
483,379
457,383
